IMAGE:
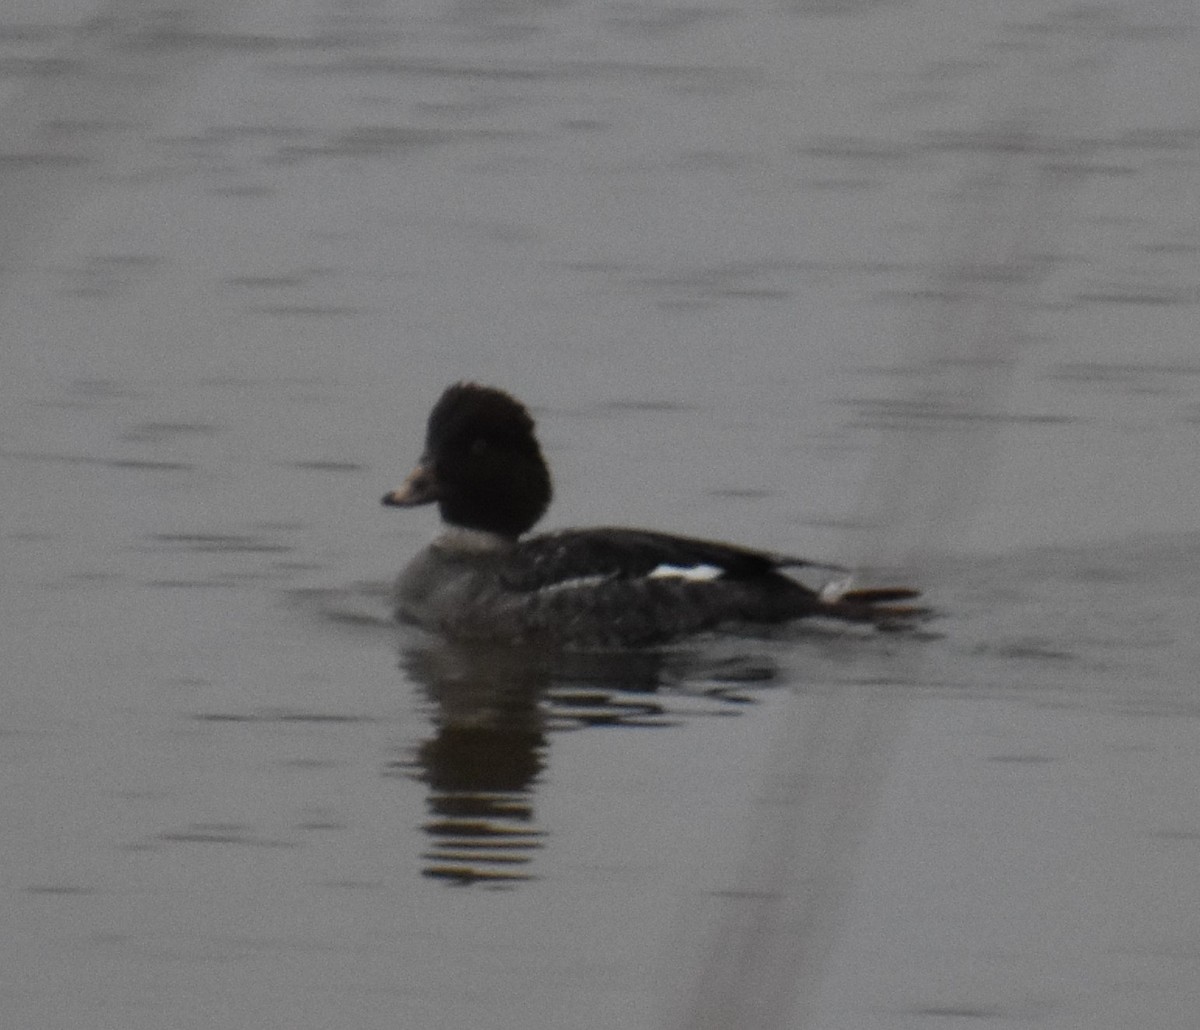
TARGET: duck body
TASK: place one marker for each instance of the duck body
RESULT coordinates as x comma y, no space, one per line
606,587
484,580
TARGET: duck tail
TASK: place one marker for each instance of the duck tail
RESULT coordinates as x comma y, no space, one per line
883,607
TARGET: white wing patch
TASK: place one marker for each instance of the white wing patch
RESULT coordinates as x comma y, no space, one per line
693,573
577,583
836,589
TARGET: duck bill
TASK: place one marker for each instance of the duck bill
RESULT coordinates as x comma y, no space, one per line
421,487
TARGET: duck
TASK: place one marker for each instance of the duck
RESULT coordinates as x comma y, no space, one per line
485,578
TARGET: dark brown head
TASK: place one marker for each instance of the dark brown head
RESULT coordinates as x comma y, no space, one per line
482,463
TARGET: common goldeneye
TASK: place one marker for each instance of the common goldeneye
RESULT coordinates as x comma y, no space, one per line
482,579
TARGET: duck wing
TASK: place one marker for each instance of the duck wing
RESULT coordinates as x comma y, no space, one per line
614,553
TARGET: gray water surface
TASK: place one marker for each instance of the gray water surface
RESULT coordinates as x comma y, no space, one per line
905,286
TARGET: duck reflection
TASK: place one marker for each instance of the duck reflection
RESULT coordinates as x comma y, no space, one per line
486,752
491,711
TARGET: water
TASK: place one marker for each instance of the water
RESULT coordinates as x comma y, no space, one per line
910,286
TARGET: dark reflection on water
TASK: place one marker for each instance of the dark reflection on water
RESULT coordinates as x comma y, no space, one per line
492,710
480,763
